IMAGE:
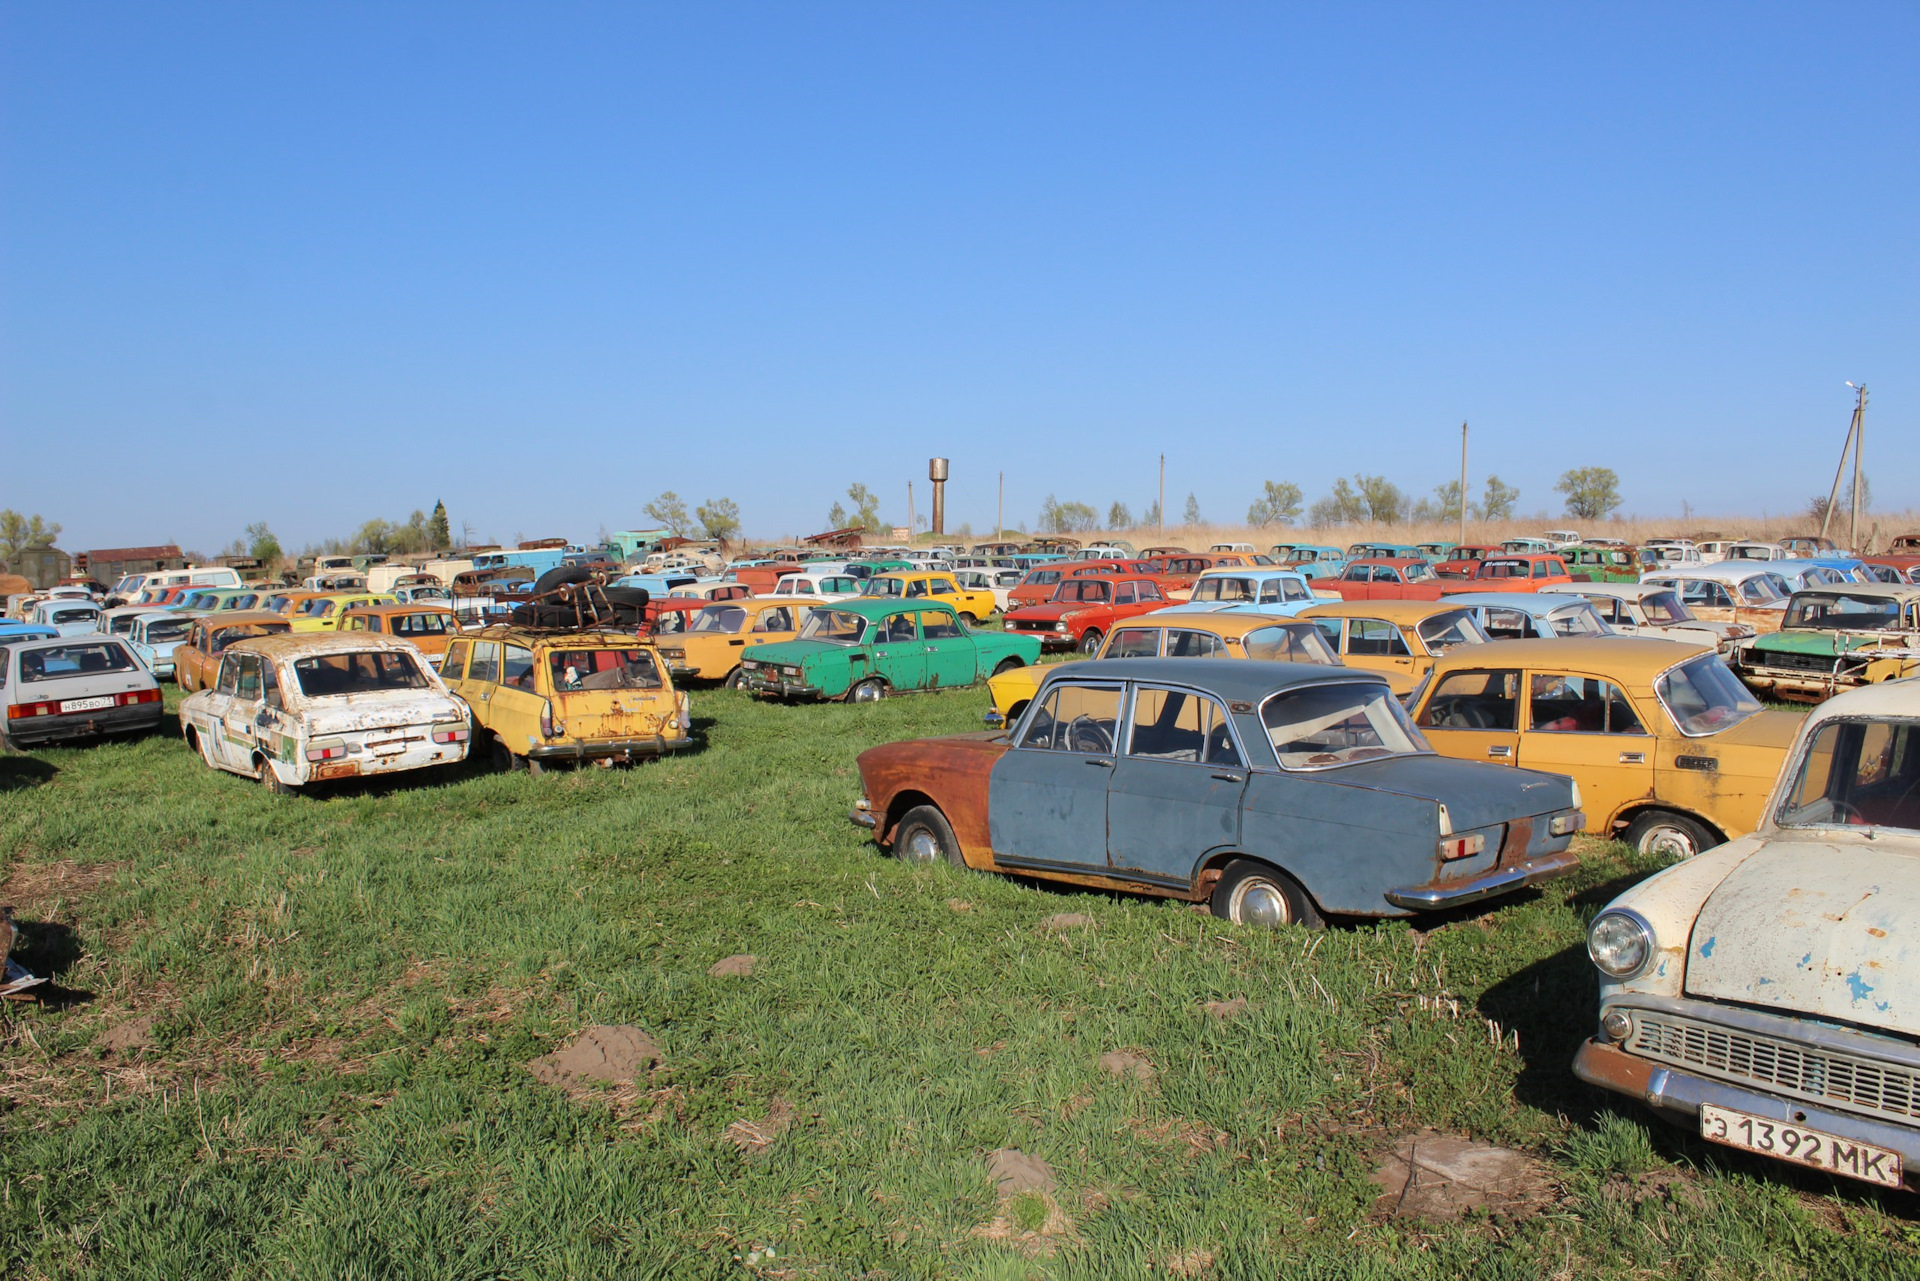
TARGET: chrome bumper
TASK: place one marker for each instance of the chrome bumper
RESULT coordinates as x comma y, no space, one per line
622,747
781,688
1678,1096
1505,880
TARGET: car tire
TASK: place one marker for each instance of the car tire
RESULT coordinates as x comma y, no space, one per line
1090,642
1015,712
504,761
1006,665
737,679
925,836
1251,893
870,690
1664,832
969,620
271,781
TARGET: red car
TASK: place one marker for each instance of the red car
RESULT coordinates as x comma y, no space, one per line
1183,571
1084,609
1038,586
1464,559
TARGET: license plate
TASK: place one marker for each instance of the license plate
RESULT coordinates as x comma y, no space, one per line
85,704
1796,1143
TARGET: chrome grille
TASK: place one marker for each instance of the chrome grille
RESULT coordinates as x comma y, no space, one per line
1790,660
1848,1081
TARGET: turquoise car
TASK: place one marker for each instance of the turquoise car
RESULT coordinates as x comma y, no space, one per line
154,636
863,650
1310,560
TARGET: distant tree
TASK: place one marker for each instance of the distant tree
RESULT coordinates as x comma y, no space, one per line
261,544
670,512
17,532
1057,517
466,534
1497,500
1342,506
1843,505
1592,492
866,507
1151,516
836,517
371,537
1191,516
1386,505
1118,517
1278,505
1445,504
443,536
719,518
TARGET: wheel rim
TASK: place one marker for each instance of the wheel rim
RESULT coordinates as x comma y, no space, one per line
1090,643
866,692
1259,901
1669,841
921,846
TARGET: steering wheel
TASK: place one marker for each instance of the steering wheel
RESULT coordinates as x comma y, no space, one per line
1084,734
1470,716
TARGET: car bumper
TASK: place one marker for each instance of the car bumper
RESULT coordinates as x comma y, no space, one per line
608,749
370,764
1502,880
37,731
1678,1095
779,687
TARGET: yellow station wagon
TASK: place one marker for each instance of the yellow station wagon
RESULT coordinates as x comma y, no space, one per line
973,606
1664,742
715,639
541,697
323,613
1400,639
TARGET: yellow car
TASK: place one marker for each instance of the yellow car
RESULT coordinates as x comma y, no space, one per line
539,697
1666,744
323,613
974,606
1400,639
1170,633
719,635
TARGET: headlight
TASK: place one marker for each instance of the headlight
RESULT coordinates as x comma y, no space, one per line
789,671
1009,625
1059,627
1620,944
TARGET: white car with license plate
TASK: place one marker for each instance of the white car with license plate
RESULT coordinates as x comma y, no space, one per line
1761,992
65,687
295,709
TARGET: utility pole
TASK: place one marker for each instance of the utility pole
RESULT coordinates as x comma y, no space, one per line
1160,506
909,513
1463,482
1853,435
1859,448
1000,517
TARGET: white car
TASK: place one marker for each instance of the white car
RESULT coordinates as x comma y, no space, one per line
296,709
52,690
815,586
1642,609
67,616
997,581
1760,992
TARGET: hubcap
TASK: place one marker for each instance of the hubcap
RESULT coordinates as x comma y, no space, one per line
921,846
1669,842
1260,903
868,693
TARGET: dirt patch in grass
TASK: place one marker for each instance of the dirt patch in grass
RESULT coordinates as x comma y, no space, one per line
1228,1009
125,1038
1060,922
754,1137
1446,1177
1180,1134
738,965
1124,1063
51,882
615,1055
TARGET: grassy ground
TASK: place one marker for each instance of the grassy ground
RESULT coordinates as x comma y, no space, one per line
344,992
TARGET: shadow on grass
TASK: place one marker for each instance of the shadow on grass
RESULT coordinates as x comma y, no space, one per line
1553,1004
49,950
24,771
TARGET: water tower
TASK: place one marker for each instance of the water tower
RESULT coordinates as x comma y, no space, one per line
937,473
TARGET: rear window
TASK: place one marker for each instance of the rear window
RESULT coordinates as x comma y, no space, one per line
80,614
162,630
367,672
58,662
583,669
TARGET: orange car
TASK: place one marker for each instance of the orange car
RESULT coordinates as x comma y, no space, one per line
196,660
429,627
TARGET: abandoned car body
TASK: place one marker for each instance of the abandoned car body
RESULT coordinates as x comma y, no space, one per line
1835,638
292,710
866,649
1760,994
1274,792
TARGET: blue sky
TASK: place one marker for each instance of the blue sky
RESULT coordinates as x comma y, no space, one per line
315,264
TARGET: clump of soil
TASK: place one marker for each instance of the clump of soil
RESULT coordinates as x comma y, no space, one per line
1126,1063
1227,1009
1060,921
1444,1177
614,1054
959,905
122,1038
740,963
1014,1171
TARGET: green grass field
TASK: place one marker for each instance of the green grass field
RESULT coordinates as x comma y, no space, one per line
341,994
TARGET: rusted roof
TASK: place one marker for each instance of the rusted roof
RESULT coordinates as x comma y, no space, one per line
163,551
307,644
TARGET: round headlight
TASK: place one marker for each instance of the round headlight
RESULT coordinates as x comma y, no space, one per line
1620,944
1059,627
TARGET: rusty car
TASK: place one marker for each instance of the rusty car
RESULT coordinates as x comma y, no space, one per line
1835,638
292,710
428,626
864,650
1642,609
1759,994
196,659
1672,754
1273,792
719,636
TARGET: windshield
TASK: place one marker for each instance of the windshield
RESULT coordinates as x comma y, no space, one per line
883,587
1840,612
1084,590
837,626
162,630
719,618
1224,589
1455,627
583,669
78,614
1704,697
1857,773
228,635
1420,572
1664,608
1327,725
1578,620
56,662
366,672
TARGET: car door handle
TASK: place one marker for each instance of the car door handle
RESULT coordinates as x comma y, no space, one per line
1228,776
1102,763
1633,758
1500,749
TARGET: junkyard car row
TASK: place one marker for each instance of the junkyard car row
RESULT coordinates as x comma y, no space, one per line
1372,732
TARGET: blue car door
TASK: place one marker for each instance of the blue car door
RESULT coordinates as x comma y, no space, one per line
1176,790
1047,800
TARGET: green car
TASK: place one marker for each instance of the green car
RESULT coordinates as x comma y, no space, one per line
863,650
1601,564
